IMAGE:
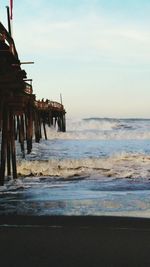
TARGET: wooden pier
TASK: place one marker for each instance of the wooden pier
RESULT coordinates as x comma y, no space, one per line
21,115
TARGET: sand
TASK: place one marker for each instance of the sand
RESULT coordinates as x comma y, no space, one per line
74,241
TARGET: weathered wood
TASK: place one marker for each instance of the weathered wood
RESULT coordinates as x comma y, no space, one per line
22,135
18,127
49,118
8,38
59,123
13,147
8,148
63,123
36,127
29,129
40,123
15,127
19,109
44,128
3,145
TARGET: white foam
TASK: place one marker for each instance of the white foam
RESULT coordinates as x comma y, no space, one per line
124,165
102,129
92,124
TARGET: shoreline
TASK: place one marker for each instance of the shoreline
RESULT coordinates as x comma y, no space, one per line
76,221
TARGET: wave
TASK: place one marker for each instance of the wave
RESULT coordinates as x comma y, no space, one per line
124,165
103,129
92,124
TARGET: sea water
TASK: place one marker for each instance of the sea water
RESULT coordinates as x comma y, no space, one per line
100,166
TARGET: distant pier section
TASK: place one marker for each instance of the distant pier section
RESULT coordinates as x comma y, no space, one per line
22,117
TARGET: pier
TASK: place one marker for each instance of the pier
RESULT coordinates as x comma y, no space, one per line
22,116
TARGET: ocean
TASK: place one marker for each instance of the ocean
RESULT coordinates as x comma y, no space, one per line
100,166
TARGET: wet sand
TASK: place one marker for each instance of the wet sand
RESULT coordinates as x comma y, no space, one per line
74,241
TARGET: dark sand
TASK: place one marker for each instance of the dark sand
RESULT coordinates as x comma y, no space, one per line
74,241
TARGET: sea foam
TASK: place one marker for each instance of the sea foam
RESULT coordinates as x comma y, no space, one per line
103,129
124,165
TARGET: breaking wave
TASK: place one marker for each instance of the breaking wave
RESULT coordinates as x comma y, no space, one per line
124,165
103,129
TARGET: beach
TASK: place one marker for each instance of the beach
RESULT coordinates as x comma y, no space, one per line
74,241
75,134
100,166
81,198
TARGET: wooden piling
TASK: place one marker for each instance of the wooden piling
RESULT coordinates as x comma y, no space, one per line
36,127
29,129
19,109
8,150
44,128
22,135
3,145
13,147
63,123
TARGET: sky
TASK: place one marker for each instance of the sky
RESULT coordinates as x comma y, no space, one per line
96,53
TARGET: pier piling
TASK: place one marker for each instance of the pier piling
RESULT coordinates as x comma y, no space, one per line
21,115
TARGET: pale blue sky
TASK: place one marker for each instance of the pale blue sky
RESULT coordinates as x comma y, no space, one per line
95,52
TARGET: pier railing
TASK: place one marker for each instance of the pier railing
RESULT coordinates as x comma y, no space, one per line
8,40
49,105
